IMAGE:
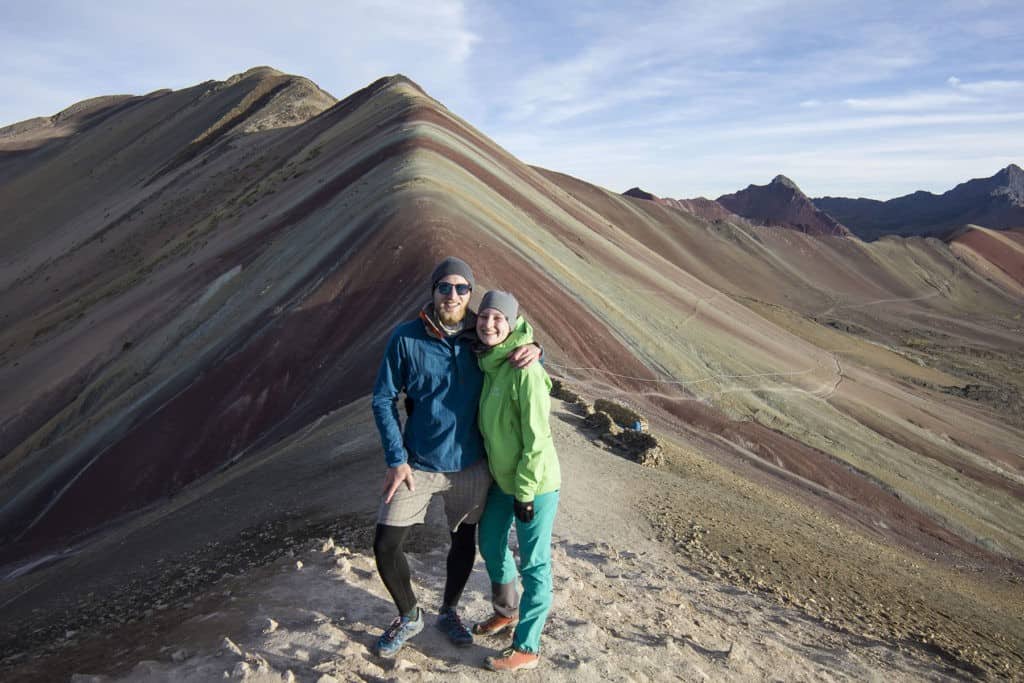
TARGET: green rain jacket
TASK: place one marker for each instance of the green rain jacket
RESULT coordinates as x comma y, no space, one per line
514,409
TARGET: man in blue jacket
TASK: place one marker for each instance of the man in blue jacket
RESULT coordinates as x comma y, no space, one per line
431,360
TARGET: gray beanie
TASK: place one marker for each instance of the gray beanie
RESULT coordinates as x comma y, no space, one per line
504,302
452,266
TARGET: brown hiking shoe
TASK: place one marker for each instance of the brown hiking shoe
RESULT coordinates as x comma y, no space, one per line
496,624
513,660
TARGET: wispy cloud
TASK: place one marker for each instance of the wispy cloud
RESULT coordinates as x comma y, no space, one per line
698,64
959,93
989,87
772,79
909,102
636,54
770,129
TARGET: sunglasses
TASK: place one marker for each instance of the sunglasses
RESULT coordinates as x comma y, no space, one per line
445,288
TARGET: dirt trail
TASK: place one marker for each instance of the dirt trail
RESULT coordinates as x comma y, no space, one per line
627,607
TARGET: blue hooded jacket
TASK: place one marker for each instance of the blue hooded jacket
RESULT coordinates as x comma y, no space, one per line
442,379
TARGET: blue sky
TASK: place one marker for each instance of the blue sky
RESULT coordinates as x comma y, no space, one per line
682,99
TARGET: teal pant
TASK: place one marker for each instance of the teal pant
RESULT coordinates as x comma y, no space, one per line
534,561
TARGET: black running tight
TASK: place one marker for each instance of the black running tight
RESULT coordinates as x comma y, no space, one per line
394,569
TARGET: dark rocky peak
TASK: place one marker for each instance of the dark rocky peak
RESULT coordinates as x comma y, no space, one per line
639,194
1011,183
781,203
782,181
995,202
1007,185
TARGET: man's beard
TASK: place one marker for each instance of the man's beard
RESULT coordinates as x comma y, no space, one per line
452,318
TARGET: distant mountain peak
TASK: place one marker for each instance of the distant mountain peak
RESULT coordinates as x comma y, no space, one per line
1011,184
994,202
707,209
781,203
261,71
639,194
785,182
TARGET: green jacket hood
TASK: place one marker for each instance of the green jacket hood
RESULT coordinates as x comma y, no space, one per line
493,356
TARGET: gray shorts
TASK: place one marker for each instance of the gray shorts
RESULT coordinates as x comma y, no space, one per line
464,493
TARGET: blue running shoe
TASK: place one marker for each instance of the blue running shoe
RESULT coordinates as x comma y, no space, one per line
448,621
401,630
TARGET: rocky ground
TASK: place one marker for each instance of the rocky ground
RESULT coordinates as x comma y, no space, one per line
964,614
619,614
660,574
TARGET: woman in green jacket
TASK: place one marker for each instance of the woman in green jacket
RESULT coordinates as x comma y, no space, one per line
513,418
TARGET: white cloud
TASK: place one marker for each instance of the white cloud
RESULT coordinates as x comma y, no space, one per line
991,87
639,54
909,102
867,123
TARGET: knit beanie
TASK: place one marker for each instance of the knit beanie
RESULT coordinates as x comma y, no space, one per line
504,302
452,266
